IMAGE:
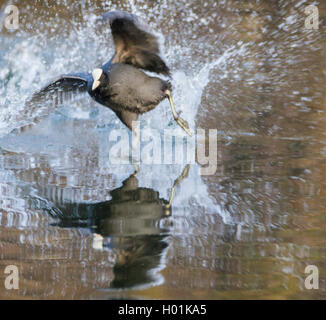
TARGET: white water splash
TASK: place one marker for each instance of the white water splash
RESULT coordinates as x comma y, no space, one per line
51,57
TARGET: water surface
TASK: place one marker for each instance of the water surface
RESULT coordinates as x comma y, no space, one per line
79,228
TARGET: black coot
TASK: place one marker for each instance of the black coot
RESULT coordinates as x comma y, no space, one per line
120,84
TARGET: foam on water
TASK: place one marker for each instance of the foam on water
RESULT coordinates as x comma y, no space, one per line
32,61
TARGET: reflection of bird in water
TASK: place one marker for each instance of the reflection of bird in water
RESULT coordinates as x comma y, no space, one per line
120,84
130,225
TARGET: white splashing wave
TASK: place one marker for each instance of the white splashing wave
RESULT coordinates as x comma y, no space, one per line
33,61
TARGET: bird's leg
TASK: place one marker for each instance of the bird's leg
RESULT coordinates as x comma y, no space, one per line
182,123
183,175
136,167
135,145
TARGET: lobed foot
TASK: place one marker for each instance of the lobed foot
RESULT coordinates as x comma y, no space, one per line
184,125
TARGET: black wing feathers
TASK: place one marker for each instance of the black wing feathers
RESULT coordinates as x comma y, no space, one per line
61,89
134,44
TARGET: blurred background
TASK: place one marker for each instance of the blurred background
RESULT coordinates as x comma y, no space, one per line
78,228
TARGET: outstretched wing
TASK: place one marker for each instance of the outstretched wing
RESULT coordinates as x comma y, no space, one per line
63,88
50,97
134,44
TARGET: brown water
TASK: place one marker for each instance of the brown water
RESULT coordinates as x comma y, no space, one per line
249,69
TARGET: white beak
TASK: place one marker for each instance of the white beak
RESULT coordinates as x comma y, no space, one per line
97,74
95,84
